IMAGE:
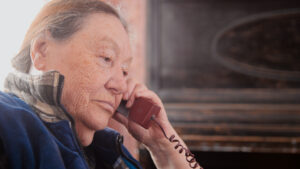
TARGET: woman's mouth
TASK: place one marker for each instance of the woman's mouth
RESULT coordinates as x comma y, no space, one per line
108,106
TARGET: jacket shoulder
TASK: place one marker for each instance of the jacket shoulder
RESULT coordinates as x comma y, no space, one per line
26,140
16,116
12,106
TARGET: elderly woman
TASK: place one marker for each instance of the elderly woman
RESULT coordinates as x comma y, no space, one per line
72,73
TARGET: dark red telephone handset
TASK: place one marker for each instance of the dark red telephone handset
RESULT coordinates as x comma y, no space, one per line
142,112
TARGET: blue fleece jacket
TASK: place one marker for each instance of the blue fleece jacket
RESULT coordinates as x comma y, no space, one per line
30,143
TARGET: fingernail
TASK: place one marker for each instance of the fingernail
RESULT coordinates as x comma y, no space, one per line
124,96
128,104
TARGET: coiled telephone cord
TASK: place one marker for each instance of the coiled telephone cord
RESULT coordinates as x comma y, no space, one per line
190,157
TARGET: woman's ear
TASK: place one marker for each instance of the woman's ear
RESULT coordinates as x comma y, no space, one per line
38,52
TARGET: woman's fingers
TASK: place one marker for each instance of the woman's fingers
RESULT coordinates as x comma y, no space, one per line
133,95
136,90
130,86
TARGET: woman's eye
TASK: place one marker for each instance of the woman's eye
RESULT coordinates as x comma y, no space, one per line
107,61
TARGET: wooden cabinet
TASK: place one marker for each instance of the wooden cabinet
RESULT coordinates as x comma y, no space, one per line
228,72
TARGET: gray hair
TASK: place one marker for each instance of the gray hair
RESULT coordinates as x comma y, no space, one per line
61,18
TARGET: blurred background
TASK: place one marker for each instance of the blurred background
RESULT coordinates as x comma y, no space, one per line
229,74
227,71
15,17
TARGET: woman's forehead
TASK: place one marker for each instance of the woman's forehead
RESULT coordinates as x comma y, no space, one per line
103,30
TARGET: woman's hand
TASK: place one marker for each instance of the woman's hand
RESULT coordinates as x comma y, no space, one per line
150,136
163,153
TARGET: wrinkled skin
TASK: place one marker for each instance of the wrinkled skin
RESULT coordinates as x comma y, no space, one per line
95,62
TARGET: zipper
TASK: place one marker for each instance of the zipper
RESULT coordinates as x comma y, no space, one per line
119,142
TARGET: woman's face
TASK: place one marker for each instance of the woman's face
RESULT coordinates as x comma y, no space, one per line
95,62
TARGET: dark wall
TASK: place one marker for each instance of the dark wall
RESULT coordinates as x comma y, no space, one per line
228,72
184,32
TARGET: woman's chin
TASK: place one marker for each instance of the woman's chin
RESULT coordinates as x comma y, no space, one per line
98,123
97,119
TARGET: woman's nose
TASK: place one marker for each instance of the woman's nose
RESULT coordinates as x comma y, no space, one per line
117,83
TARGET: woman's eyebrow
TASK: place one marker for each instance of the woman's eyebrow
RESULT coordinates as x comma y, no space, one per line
113,44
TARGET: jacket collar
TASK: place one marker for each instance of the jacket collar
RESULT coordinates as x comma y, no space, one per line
41,92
